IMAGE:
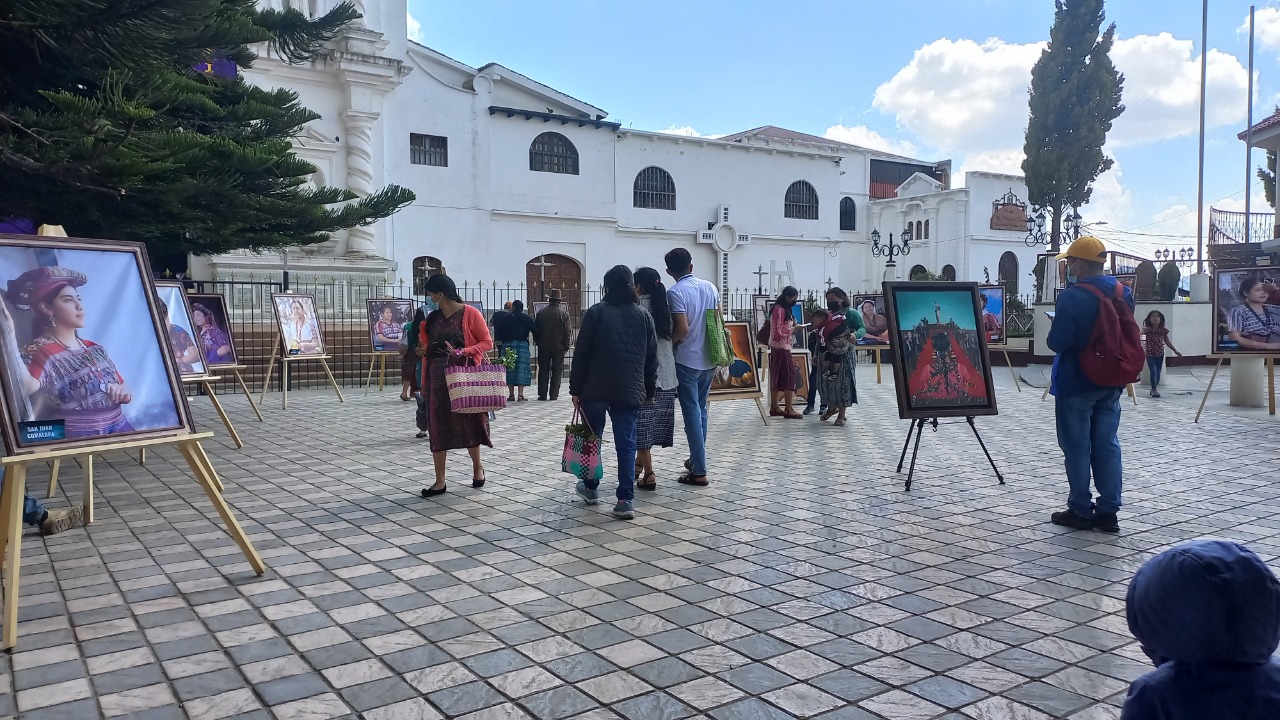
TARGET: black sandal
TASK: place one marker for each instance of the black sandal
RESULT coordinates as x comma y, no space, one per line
652,485
691,479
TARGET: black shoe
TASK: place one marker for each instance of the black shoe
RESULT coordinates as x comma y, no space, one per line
477,482
432,492
1068,518
542,399
808,410
1106,522
421,435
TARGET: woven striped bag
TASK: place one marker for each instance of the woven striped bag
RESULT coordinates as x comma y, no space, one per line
476,389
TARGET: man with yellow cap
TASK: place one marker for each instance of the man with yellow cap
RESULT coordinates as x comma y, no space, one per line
1088,414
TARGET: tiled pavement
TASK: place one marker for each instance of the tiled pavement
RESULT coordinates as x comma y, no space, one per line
802,583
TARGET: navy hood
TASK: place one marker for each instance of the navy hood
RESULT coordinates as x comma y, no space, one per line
1208,602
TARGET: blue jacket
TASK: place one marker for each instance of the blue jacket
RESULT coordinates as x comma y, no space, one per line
1208,614
1071,329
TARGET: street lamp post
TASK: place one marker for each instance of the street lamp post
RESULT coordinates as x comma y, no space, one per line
1040,233
1184,256
891,249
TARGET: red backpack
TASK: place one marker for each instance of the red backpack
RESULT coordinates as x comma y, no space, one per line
1114,355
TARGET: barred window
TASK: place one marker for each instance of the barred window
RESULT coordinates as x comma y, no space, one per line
654,188
428,150
926,229
948,271
848,214
552,152
801,201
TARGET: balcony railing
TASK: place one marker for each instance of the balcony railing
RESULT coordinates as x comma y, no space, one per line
1228,226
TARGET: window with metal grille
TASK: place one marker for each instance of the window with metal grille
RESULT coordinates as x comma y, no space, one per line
926,229
848,214
552,152
801,201
948,272
428,150
654,189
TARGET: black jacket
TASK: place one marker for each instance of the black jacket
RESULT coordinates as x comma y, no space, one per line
616,357
512,327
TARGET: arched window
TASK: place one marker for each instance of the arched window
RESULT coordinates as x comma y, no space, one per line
654,189
552,152
1007,274
948,271
926,229
918,272
848,214
423,268
919,230
801,201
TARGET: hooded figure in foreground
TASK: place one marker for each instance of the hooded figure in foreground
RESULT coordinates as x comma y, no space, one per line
1208,614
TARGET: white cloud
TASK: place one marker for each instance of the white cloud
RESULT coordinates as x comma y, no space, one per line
1007,161
415,28
1266,27
1111,201
688,131
863,136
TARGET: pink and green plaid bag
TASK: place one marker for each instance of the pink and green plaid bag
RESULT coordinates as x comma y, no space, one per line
581,457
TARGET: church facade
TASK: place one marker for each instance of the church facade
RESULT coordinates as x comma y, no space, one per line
518,182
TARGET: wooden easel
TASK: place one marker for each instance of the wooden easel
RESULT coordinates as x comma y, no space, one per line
1004,350
206,381
876,350
1269,362
15,487
284,373
378,360
244,387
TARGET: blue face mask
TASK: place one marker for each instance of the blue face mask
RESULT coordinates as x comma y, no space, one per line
1071,277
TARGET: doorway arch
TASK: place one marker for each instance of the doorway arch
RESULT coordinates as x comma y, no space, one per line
1007,273
555,271
424,267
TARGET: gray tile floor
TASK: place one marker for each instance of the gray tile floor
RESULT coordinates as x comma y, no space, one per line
802,583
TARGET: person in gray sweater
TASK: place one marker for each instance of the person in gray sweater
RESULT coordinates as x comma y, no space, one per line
615,371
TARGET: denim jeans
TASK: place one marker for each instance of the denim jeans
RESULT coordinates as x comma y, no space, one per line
624,440
814,375
1155,365
694,385
1087,425
32,509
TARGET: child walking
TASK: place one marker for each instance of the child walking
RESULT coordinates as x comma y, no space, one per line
1155,337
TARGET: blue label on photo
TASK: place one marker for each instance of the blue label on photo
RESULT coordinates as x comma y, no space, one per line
294,351
42,431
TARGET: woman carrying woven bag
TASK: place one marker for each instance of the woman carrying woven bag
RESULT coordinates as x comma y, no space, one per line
455,332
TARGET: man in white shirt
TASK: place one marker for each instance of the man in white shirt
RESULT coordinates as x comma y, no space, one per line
690,299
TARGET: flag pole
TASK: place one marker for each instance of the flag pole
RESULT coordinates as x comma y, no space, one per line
1248,144
1204,55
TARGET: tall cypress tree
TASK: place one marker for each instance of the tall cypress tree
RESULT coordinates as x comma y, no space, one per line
114,122
1075,97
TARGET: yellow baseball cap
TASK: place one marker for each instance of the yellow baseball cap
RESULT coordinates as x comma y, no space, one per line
1086,248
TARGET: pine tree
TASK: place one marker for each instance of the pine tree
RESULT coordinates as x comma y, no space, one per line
1267,175
1167,282
117,125
1075,97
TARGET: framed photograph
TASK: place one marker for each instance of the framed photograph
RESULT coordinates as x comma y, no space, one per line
539,307
940,362
740,380
1129,281
298,323
800,358
84,354
387,317
1246,311
992,299
213,330
182,334
873,317
760,306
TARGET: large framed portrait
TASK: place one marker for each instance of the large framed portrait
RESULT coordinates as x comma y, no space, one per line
182,332
940,362
387,317
800,358
740,380
298,323
213,329
83,346
871,307
993,313
1246,311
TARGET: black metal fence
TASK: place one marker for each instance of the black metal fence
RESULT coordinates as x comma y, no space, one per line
342,313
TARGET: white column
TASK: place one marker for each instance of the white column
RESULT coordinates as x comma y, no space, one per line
359,137
1200,290
1248,381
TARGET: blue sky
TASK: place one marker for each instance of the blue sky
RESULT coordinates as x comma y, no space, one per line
933,79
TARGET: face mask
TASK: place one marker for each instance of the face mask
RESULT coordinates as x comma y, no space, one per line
833,306
1071,277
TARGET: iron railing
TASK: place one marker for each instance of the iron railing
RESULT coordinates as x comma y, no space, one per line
1227,226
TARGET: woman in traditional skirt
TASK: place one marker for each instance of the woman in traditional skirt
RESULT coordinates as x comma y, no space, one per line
782,370
656,424
838,304
452,334
409,360
836,380
513,331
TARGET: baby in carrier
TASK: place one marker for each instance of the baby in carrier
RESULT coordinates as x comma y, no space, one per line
837,340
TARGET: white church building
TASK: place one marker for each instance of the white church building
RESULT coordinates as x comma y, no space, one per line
519,182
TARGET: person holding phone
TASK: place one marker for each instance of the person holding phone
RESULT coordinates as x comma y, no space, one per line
782,371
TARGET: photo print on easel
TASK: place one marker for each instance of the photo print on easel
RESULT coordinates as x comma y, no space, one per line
182,333
1246,311
213,329
993,314
299,327
740,380
387,317
83,346
871,307
940,362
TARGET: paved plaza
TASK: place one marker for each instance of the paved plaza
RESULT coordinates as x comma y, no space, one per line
804,582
